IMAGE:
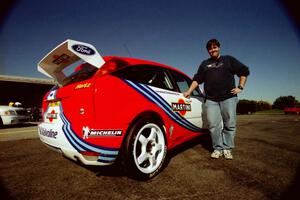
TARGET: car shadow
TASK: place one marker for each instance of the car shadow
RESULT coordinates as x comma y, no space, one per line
117,170
203,140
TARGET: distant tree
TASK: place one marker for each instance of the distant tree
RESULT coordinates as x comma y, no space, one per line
284,101
246,106
263,105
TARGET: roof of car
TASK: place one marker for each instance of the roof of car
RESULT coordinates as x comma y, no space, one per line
135,61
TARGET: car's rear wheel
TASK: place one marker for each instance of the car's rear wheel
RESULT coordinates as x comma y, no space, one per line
145,149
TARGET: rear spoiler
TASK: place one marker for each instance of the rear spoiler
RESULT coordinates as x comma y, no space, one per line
65,54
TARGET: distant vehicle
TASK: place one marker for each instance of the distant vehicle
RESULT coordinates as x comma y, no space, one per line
114,107
13,115
292,110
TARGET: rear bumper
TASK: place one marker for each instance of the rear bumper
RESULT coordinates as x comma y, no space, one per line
54,136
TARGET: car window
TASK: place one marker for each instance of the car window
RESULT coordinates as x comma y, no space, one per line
146,74
81,73
183,83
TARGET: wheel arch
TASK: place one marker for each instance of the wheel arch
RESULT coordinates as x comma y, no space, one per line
124,158
151,115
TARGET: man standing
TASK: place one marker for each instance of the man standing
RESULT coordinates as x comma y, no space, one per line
217,74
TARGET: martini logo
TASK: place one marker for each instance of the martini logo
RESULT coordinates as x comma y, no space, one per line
99,133
52,115
82,49
181,107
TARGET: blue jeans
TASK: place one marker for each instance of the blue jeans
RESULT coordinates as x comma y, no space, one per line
221,118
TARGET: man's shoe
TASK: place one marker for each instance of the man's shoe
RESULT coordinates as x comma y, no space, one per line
227,154
216,154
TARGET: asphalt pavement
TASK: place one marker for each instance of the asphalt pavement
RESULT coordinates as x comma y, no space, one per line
266,165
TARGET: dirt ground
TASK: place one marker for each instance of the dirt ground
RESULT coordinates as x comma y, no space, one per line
266,165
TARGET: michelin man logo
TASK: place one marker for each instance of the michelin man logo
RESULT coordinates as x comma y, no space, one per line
85,131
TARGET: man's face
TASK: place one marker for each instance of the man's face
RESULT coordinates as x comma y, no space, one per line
214,51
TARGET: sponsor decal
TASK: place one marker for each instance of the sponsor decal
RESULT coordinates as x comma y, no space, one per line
82,49
48,133
52,115
154,97
54,104
64,58
82,86
52,95
87,133
181,107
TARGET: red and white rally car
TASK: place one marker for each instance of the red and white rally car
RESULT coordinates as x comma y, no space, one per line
114,107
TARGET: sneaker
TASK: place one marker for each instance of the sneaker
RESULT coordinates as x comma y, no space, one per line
227,154
216,154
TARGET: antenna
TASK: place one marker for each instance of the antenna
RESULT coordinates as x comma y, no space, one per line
127,49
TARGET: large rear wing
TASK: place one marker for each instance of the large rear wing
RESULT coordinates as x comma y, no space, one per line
65,54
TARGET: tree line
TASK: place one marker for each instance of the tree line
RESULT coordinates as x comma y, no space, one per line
250,106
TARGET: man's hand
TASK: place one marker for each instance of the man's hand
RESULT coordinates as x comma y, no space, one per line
186,94
236,90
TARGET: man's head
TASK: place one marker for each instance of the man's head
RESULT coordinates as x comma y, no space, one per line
213,48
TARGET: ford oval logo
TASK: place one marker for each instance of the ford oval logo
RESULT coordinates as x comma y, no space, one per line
83,49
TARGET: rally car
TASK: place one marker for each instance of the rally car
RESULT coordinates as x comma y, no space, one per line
114,108
292,110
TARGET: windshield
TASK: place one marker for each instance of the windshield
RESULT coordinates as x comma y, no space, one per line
82,72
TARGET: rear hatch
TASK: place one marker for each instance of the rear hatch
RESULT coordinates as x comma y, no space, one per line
65,54
73,96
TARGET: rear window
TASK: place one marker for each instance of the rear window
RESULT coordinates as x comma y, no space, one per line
146,74
81,73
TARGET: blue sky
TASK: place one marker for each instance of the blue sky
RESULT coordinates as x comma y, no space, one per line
174,32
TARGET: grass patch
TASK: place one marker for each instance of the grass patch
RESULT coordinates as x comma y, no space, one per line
270,112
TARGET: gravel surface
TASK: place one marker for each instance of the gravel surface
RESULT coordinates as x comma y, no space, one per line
266,165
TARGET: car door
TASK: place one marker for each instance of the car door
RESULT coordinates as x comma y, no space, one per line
169,85
190,108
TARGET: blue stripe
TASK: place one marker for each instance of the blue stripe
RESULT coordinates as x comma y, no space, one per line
106,158
151,95
81,145
177,115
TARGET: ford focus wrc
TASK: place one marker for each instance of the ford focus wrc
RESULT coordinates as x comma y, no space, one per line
113,108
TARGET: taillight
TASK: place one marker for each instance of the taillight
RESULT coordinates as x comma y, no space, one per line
90,153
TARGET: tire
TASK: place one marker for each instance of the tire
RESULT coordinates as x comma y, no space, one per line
145,149
1,122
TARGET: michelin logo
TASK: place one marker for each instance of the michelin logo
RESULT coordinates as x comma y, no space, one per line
87,132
